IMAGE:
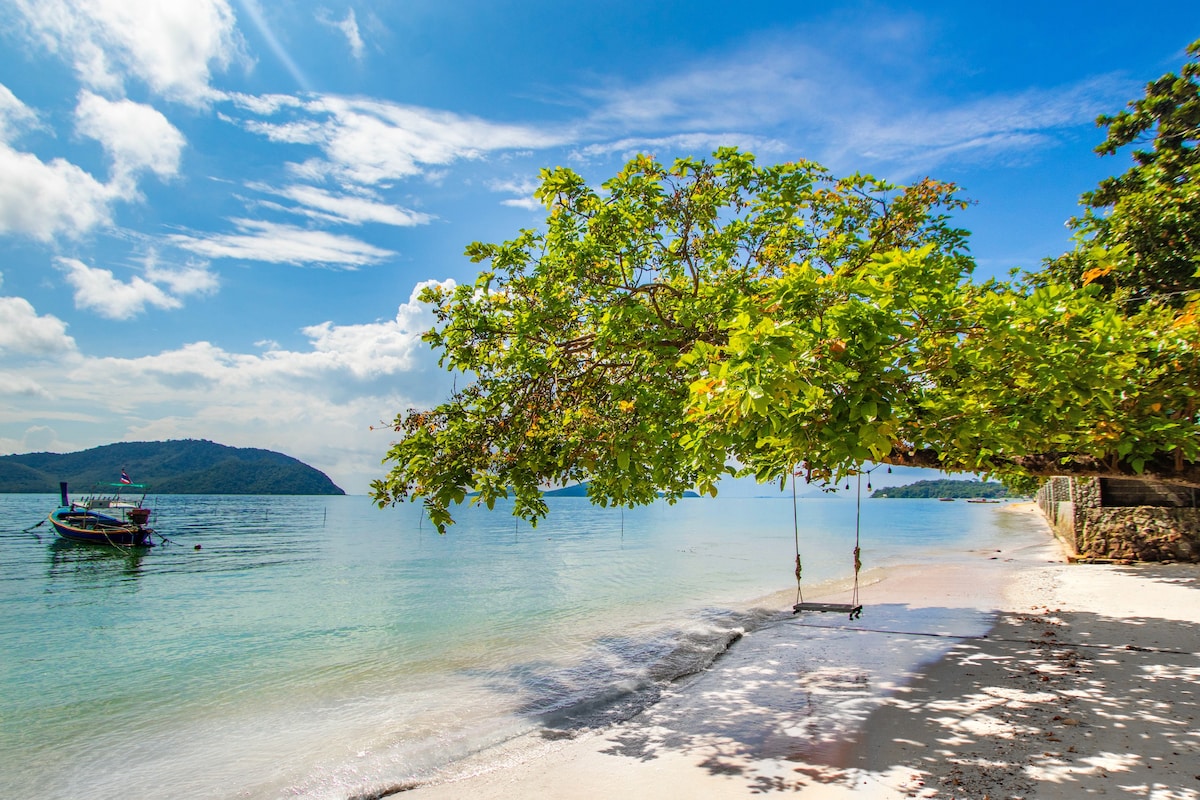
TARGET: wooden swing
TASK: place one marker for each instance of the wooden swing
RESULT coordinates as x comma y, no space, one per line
853,608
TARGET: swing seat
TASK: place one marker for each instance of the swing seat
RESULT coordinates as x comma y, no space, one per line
843,608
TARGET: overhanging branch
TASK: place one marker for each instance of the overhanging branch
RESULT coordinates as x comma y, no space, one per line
1048,465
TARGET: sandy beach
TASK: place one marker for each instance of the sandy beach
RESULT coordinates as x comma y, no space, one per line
1011,675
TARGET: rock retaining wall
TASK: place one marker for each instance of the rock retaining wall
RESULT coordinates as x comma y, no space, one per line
1090,530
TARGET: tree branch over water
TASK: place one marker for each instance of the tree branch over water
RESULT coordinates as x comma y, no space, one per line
713,318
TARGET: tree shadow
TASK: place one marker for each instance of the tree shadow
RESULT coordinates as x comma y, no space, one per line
1183,575
1062,704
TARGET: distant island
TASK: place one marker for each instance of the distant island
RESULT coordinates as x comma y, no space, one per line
185,466
945,488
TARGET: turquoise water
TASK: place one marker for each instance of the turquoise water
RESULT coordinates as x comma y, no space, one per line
319,646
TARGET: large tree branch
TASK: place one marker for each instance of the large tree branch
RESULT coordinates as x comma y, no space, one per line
1164,468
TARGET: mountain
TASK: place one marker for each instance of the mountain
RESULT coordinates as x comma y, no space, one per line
186,466
945,488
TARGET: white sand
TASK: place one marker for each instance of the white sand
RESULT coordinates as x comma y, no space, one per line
1015,675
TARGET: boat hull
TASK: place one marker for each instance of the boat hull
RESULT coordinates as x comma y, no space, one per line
78,525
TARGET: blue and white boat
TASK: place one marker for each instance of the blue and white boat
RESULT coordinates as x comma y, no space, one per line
123,521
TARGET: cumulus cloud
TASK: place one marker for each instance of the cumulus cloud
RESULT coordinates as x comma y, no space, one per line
275,243
317,402
363,351
170,47
99,290
43,200
136,136
379,348
23,332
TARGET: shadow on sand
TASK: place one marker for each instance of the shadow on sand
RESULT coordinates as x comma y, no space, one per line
1046,704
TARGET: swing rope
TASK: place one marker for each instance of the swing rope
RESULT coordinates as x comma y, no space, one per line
857,547
796,535
854,609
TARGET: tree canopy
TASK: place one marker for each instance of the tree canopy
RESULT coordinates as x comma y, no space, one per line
718,317
1139,235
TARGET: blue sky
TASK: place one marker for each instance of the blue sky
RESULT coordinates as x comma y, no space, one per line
214,214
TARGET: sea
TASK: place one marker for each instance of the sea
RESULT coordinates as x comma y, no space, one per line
321,647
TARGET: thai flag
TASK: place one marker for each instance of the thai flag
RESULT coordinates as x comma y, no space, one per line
125,477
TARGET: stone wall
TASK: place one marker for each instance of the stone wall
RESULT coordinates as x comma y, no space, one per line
1140,533
1077,515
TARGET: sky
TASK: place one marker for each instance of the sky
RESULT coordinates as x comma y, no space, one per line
216,215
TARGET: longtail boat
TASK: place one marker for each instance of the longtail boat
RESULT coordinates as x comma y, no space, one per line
123,521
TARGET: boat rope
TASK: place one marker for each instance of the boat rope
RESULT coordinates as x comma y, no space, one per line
117,545
31,527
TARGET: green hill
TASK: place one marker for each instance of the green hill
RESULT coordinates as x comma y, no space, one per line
187,466
944,488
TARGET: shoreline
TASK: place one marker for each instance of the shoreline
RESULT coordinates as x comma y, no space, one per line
1007,674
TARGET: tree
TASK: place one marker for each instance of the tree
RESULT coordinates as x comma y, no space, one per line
725,318
1139,236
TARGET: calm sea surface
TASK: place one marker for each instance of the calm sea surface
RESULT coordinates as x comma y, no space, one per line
320,647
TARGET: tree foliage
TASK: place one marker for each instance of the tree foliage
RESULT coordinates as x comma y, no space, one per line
1139,237
710,318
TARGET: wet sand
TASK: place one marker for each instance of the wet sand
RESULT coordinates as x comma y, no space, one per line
1007,675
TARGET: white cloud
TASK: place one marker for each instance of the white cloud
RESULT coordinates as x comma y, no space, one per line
368,142
24,333
43,200
170,46
317,403
263,104
697,143
136,137
193,279
380,348
39,439
999,125
523,188
819,98
98,290
13,114
758,87
348,209
282,244
349,29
